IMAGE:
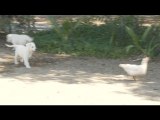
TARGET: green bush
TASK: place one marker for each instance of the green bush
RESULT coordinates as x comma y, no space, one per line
147,47
109,40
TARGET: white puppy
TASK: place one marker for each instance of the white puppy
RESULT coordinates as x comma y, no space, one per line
17,39
24,52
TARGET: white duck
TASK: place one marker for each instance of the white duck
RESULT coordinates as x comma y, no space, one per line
136,70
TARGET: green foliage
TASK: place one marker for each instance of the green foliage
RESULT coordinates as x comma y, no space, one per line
81,37
25,23
147,47
150,48
5,23
136,40
129,47
65,29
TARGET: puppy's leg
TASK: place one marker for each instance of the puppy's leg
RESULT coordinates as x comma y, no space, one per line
13,47
26,63
21,59
15,59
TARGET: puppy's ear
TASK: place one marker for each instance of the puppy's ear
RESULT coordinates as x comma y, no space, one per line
28,45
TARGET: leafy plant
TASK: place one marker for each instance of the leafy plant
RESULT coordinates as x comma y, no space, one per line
141,43
150,48
65,28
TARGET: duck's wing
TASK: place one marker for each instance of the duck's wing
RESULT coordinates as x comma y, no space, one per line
131,69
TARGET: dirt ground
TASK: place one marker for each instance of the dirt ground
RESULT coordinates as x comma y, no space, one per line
66,80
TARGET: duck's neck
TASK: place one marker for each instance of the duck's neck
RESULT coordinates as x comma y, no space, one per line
144,65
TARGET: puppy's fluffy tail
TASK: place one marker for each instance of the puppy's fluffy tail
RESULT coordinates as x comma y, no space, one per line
10,45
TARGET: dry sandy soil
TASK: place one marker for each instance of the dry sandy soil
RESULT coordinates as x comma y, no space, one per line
66,80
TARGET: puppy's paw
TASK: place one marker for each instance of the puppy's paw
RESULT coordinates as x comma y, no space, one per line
16,63
28,67
21,60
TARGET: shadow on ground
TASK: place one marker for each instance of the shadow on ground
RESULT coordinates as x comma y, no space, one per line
81,70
